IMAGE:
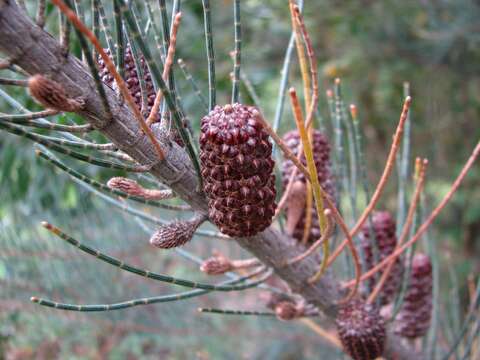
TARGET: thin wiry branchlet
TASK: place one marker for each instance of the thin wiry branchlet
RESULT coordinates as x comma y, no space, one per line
52,95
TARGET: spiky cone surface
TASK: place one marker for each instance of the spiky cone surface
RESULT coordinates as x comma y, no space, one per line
384,237
176,233
131,78
413,320
361,330
237,166
133,84
321,156
51,94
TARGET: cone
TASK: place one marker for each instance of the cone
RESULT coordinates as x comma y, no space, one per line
175,234
237,166
321,156
361,330
386,240
413,320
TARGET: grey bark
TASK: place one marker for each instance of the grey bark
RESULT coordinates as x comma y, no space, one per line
37,52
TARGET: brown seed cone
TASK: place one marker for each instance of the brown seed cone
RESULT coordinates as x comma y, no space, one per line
216,265
237,166
386,240
131,79
175,234
413,320
52,95
361,330
321,156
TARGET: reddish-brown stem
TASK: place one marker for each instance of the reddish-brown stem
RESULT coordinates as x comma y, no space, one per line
424,227
405,230
152,117
383,180
286,194
111,68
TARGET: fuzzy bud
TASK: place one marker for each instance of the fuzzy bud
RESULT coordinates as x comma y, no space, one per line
361,330
287,310
216,265
175,234
132,188
52,95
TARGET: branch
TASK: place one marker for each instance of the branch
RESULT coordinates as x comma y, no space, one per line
36,51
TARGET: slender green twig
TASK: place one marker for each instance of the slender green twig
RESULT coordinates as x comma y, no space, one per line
29,116
468,320
105,188
131,303
93,70
250,89
13,82
210,54
237,53
95,22
192,82
403,168
48,125
283,83
163,88
79,156
155,276
119,45
105,27
156,32
77,144
235,312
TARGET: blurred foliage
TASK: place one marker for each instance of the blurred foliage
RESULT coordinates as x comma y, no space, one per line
372,46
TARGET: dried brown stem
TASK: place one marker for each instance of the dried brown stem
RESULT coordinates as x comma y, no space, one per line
325,236
152,117
424,227
405,230
383,180
112,69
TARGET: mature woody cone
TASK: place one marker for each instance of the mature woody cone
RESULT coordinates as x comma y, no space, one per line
385,239
321,156
413,320
175,234
131,79
361,330
237,165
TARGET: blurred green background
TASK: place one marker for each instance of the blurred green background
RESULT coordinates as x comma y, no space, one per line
373,46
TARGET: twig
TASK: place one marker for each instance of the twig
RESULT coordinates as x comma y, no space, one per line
325,236
111,68
383,180
423,228
152,117
237,52
405,231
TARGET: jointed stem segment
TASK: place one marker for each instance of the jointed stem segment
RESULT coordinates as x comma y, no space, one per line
155,276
